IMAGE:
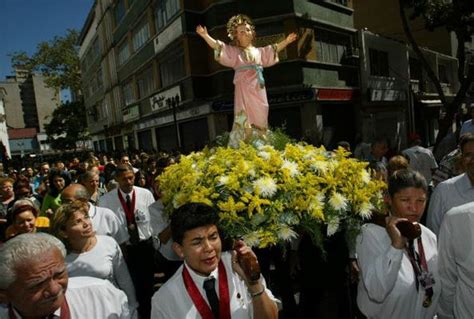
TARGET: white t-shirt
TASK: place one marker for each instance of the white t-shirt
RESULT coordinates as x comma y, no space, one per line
387,286
104,261
143,199
173,301
105,222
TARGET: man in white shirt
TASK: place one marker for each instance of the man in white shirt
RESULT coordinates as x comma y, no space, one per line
468,126
130,204
421,159
34,284
455,191
456,263
104,221
211,283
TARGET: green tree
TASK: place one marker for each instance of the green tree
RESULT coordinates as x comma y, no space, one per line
456,16
58,61
68,126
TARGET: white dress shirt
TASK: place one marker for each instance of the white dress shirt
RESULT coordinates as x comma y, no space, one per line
143,199
387,288
104,261
173,301
456,263
89,297
453,192
105,222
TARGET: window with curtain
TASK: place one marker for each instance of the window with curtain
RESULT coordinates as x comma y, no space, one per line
164,12
172,68
145,83
140,35
119,11
128,95
330,46
123,52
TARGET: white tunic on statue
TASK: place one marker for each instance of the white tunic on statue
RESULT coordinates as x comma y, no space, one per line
173,301
387,287
144,198
104,261
456,263
105,222
89,297
453,192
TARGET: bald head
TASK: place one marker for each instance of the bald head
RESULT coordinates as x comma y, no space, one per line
74,192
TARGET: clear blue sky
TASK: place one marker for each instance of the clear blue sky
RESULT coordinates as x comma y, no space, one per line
26,23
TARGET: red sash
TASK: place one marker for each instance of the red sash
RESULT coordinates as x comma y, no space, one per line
198,300
65,313
129,213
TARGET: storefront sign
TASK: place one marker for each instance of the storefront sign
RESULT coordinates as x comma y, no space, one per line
335,94
180,115
158,101
131,113
171,33
387,95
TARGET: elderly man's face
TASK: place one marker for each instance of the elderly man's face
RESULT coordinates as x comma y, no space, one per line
40,285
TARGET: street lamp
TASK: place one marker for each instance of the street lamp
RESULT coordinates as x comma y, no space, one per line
173,103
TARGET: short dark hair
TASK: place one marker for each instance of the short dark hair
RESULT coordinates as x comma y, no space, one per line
465,138
191,216
406,178
122,168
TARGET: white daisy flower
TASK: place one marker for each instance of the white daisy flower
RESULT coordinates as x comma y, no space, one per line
292,167
264,155
320,166
251,239
265,187
338,201
286,233
333,226
365,210
223,180
365,176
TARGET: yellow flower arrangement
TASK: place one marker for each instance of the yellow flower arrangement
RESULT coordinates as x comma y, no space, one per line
267,195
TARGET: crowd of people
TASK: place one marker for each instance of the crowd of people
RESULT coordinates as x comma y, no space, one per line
99,221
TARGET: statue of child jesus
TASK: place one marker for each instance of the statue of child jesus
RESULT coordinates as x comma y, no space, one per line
250,98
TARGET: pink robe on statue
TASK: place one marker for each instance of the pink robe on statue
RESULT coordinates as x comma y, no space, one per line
250,98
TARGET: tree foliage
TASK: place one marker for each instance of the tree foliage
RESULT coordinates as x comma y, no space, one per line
68,126
57,60
456,16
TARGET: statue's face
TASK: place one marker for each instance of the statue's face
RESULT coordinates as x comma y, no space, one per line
244,35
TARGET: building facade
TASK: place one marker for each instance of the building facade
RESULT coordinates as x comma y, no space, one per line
398,98
28,104
150,82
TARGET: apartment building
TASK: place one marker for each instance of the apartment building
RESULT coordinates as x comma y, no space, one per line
150,82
